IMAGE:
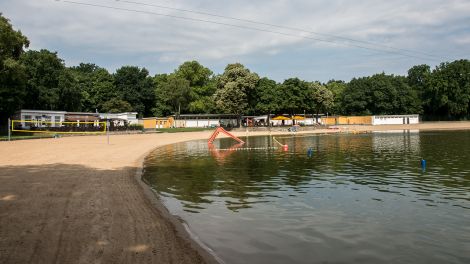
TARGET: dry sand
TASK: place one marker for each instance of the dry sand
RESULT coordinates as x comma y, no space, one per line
77,200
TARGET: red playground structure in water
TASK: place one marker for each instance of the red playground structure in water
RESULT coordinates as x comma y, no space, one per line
219,130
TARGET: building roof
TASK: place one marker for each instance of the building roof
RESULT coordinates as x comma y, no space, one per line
42,111
205,116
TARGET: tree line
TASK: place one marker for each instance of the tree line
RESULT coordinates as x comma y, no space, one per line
32,79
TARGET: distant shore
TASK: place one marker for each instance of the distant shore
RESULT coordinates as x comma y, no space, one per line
76,199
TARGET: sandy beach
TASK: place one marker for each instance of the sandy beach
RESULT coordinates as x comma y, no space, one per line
78,199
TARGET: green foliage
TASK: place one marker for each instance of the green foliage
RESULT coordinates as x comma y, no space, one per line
135,86
96,85
337,88
295,96
202,86
40,80
43,70
196,74
116,105
69,92
448,92
380,94
235,89
12,42
322,99
12,73
172,93
268,96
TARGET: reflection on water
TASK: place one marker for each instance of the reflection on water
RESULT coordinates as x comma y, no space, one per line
359,198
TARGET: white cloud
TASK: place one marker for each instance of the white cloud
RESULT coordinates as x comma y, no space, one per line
421,25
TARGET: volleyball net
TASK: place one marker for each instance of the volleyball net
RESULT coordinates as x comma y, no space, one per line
65,127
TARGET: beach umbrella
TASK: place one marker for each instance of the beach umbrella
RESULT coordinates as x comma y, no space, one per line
298,118
280,118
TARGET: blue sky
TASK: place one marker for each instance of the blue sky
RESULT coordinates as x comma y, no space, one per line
392,35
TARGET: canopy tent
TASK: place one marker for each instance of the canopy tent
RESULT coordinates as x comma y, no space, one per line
280,118
298,118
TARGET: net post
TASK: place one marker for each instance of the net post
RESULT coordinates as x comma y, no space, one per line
9,130
107,129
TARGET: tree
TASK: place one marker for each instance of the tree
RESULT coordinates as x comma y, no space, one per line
294,94
172,93
70,95
380,94
136,87
117,105
322,99
449,90
267,93
202,86
337,88
43,70
96,85
202,97
196,74
235,88
419,78
12,73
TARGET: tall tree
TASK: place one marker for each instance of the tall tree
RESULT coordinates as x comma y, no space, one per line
96,85
235,88
135,86
267,93
70,95
337,88
172,93
419,78
12,73
201,83
449,89
116,105
322,99
380,94
295,95
44,69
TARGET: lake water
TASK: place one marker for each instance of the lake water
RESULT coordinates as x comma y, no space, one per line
356,199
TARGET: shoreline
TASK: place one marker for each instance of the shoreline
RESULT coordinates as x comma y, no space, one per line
77,199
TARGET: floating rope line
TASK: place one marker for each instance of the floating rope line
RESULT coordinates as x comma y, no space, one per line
275,140
240,149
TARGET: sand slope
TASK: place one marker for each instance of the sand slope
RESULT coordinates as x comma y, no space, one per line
76,200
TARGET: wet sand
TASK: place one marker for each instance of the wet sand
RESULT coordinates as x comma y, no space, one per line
80,200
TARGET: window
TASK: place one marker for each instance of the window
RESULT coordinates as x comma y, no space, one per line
57,121
27,117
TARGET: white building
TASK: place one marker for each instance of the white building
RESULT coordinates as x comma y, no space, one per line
39,118
395,119
206,120
120,118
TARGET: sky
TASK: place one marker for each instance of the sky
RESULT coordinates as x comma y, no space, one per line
315,40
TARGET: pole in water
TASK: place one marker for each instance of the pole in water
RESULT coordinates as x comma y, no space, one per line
310,152
423,164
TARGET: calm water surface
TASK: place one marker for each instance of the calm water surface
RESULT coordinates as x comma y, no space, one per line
357,199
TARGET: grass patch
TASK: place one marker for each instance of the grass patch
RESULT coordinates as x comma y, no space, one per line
182,129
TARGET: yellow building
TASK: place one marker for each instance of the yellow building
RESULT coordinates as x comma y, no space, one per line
158,122
347,120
